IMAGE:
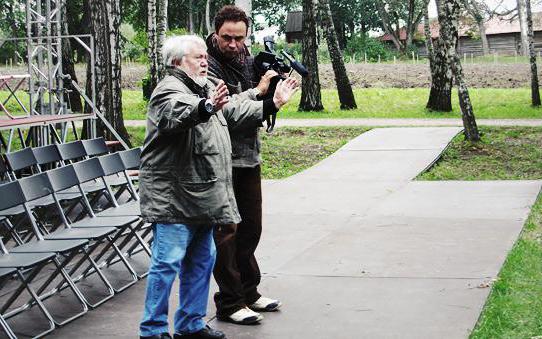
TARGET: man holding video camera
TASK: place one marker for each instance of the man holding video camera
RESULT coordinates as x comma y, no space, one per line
236,270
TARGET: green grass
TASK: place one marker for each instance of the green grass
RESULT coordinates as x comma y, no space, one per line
503,153
289,150
489,103
514,307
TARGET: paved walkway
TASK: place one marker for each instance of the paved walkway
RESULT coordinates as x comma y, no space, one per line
356,249
388,122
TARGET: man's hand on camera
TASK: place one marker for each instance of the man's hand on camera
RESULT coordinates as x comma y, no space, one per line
220,95
285,90
263,86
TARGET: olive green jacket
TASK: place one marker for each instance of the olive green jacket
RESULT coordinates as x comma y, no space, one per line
185,174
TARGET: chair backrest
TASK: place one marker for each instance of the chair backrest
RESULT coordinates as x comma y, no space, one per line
131,158
4,176
62,178
95,147
71,150
111,163
11,194
21,159
46,154
36,186
87,170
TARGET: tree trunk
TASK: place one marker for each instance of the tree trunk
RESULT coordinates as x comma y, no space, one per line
522,15
386,23
440,95
191,16
535,90
72,96
208,17
311,97
473,8
246,5
105,27
161,29
152,50
344,89
450,34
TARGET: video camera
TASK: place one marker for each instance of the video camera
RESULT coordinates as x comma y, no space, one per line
269,60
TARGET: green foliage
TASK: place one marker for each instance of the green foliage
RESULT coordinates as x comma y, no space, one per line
177,31
361,44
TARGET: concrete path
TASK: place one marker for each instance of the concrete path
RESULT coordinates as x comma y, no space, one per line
355,249
387,122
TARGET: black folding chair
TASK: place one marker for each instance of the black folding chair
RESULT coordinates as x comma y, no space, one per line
66,177
22,163
38,186
29,260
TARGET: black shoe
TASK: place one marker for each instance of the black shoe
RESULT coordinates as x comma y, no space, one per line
206,333
157,336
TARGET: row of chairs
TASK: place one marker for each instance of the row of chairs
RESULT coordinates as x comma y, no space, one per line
54,217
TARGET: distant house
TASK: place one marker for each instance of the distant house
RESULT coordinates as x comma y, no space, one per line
503,36
294,27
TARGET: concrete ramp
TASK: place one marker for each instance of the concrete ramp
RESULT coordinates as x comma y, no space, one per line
355,249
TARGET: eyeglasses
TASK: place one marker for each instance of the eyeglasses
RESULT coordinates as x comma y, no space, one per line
228,38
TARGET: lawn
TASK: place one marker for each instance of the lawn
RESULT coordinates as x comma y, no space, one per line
380,103
514,307
391,103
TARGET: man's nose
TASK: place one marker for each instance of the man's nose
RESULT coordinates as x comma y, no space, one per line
232,44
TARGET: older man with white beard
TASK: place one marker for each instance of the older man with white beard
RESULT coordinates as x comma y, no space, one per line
186,183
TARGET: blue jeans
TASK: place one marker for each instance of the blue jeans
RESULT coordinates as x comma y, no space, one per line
186,251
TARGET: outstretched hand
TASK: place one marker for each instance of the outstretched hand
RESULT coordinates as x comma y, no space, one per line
220,97
285,90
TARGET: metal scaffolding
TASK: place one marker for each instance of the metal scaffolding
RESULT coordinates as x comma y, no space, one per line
48,115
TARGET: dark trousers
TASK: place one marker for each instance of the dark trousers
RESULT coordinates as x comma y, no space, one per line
236,270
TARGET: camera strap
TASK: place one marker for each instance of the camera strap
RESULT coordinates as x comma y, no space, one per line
271,119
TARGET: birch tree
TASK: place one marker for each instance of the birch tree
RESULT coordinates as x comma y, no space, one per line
396,14
105,27
161,29
440,95
450,35
535,90
522,15
311,97
153,44
473,7
344,89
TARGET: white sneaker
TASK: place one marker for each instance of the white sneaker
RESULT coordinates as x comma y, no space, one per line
266,305
244,316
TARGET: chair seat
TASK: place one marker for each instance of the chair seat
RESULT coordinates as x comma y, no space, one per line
7,271
16,210
105,222
128,209
81,233
43,246
22,260
115,180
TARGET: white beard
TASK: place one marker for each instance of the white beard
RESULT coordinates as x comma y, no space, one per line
201,81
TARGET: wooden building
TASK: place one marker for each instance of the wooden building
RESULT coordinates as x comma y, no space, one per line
503,35
294,26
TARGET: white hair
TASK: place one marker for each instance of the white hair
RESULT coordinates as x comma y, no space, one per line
176,47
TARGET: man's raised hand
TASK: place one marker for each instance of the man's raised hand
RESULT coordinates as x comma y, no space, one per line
220,95
285,90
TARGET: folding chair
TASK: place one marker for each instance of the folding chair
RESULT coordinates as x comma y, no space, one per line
65,177
38,186
21,160
93,169
33,257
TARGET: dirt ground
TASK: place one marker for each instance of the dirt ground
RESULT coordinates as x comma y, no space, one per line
402,75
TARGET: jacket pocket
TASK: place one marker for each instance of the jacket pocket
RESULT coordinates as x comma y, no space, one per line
198,199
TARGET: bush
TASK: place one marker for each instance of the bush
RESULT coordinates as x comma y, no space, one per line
359,45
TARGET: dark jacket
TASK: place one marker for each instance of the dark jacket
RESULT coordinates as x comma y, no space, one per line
239,78
185,173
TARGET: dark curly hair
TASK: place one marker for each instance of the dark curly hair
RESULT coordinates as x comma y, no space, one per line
230,13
